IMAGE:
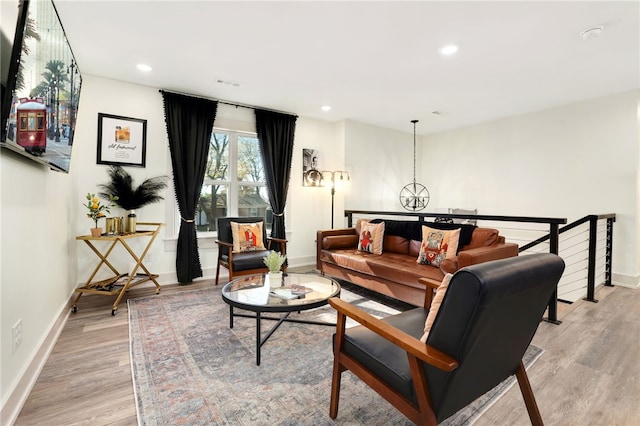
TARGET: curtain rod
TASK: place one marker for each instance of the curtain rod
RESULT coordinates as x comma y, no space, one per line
237,105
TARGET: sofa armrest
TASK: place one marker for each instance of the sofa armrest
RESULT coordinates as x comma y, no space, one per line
344,238
486,254
335,232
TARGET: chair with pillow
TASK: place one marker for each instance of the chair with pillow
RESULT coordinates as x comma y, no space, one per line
243,244
474,336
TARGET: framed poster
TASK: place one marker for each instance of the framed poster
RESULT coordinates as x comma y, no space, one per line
121,140
311,176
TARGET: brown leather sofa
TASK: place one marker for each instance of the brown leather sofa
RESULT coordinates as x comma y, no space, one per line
395,272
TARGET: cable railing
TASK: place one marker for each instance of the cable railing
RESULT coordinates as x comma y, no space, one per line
587,246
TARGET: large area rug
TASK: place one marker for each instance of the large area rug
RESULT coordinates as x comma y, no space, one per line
190,368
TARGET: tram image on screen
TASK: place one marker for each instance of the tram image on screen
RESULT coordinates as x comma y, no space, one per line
31,125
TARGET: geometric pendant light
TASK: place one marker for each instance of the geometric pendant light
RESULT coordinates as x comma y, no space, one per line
414,196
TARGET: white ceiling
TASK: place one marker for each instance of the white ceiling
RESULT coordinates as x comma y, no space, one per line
374,62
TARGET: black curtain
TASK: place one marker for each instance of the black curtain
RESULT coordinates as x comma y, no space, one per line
275,133
189,123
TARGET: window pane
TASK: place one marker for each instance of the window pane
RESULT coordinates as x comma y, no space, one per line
253,201
211,206
249,160
218,162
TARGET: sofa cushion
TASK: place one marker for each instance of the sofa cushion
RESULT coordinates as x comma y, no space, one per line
414,248
412,230
438,245
409,229
247,236
371,237
247,260
395,244
482,237
394,267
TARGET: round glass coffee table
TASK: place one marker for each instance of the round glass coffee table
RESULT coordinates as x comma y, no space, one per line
292,293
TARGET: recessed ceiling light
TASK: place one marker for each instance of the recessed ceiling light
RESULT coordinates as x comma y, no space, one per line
227,82
449,50
593,32
326,108
144,67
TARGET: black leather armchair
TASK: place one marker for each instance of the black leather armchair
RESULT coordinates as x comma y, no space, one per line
246,263
487,320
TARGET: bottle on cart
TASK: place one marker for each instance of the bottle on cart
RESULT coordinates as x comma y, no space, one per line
131,222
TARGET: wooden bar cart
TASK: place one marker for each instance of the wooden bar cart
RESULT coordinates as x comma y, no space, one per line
119,283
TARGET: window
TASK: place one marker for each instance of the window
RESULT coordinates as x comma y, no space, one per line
234,182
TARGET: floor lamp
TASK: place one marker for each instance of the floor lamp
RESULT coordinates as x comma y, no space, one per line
340,174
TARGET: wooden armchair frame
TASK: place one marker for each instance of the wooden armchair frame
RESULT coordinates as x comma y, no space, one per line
417,352
420,355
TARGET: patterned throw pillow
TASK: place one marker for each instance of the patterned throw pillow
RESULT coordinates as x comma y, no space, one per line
247,236
437,245
435,306
371,237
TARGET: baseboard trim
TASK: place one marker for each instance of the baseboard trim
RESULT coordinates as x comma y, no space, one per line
625,280
18,396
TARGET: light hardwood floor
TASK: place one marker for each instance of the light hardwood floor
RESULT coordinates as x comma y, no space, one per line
589,373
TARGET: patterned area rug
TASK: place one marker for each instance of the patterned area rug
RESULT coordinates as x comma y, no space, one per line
189,368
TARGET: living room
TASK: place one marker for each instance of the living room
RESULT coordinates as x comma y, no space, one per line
564,160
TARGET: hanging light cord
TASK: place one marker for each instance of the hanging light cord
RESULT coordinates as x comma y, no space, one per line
414,150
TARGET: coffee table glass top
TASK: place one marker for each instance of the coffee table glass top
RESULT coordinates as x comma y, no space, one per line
292,292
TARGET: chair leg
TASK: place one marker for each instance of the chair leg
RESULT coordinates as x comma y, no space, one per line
336,377
527,394
335,388
217,273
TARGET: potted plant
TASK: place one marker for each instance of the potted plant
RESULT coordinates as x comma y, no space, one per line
129,196
274,261
97,211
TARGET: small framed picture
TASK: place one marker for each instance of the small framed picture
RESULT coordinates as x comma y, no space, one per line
311,175
121,140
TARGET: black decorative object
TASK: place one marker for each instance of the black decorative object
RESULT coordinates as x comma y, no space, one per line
414,196
129,196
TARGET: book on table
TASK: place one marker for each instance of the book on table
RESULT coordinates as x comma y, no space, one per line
293,291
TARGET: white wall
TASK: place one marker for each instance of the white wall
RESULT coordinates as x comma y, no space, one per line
37,249
572,161
381,163
568,162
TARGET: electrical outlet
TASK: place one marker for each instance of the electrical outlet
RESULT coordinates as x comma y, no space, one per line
16,336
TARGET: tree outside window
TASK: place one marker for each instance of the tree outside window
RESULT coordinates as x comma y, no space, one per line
234,183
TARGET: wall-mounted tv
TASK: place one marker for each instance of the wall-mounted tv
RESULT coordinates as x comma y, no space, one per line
41,88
